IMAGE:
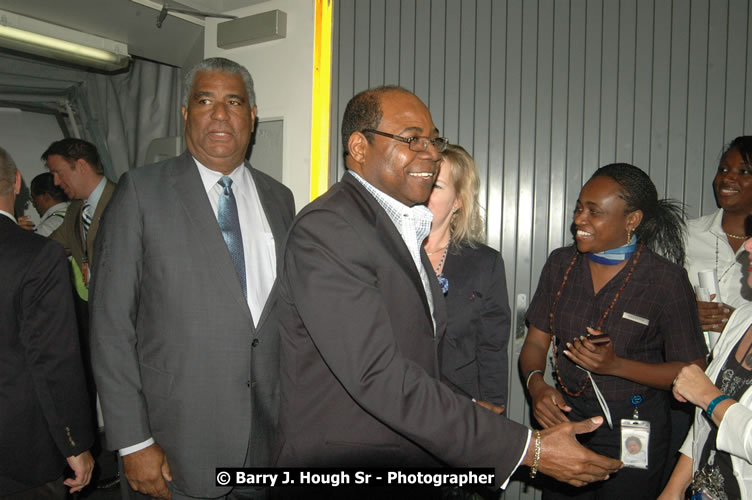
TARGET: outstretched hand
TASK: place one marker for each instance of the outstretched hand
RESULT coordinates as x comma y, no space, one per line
565,459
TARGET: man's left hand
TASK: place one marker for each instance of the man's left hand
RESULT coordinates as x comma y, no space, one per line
82,465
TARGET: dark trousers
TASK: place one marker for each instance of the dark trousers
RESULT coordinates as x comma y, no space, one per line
628,483
54,490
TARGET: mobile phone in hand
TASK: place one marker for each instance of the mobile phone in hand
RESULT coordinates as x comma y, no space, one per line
598,339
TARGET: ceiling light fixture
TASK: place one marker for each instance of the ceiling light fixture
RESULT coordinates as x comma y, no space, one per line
32,36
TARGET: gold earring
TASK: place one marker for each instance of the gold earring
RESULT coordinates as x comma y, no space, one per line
629,235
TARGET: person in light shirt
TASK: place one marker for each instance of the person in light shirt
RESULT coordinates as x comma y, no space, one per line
50,202
716,458
714,241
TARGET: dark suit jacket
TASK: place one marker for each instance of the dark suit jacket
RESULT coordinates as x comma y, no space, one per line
474,349
359,379
44,409
70,233
175,352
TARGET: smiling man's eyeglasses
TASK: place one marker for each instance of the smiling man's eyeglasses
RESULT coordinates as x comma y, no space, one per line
417,144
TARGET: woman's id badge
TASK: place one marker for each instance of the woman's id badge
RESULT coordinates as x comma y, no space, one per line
635,438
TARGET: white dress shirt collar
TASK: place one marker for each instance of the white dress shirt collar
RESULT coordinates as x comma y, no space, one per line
9,215
413,225
95,195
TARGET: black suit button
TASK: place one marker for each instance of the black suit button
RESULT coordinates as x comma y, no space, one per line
254,343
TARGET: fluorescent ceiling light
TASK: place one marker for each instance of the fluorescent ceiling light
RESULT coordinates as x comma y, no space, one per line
32,36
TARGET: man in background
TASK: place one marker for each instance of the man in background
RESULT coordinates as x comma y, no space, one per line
184,337
44,408
77,168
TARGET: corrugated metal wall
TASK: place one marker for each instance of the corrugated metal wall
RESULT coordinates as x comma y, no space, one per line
542,92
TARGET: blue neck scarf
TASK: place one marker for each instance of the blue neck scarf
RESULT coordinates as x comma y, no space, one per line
615,256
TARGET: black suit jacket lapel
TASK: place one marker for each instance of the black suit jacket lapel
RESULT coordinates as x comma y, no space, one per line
392,239
439,302
187,183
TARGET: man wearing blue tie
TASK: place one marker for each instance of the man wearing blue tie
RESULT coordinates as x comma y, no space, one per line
184,333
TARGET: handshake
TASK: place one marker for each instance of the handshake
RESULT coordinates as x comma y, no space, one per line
555,452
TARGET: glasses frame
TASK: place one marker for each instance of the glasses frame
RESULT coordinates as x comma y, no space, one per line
440,143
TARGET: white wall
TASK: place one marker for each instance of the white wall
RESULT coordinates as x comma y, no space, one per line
282,71
25,136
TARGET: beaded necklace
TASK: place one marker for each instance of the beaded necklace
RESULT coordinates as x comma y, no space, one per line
443,281
600,323
733,263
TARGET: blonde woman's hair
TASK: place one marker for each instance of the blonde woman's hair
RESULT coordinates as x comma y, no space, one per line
466,223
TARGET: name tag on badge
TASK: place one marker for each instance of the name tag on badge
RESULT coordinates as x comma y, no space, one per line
635,318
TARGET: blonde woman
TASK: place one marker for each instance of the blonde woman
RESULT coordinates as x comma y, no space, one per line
474,349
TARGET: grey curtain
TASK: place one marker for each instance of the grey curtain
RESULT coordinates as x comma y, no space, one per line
119,113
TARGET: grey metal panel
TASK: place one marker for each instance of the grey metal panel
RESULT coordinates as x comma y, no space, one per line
562,48
422,49
376,53
697,88
748,73
643,74
661,94
407,45
593,88
435,100
529,175
576,116
737,47
541,164
467,75
716,78
452,68
609,69
677,110
542,92
511,139
392,43
625,100
482,94
361,45
495,186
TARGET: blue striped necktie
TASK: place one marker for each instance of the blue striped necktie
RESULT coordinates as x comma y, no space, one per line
229,223
86,218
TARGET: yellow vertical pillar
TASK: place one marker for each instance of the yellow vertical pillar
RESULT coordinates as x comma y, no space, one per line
322,62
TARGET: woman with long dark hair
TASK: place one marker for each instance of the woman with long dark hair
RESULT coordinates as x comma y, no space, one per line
623,321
